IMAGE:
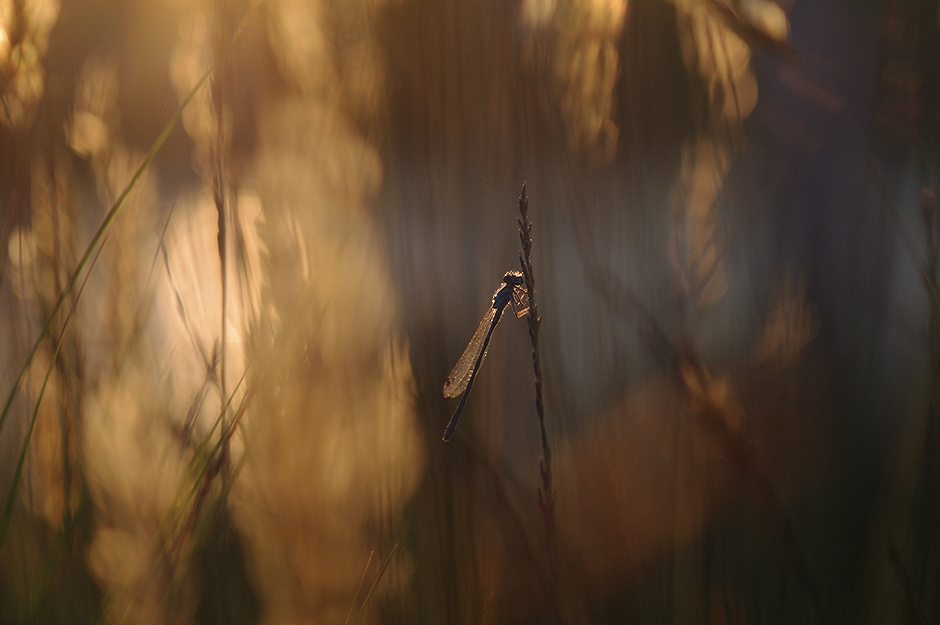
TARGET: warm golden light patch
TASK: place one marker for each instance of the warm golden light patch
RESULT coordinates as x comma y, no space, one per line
586,66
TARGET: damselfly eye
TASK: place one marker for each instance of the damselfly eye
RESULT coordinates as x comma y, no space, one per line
513,277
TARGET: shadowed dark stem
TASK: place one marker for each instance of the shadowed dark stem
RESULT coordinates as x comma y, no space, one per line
546,490
927,508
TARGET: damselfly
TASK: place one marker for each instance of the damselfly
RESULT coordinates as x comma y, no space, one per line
512,291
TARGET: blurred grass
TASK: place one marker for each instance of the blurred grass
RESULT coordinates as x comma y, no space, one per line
466,548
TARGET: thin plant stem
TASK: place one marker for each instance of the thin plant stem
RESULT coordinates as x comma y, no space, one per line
362,580
546,489
219,83
365,602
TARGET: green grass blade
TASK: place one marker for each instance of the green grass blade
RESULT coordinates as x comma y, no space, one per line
102,229
14,486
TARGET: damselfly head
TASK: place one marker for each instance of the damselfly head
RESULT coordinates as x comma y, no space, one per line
513,277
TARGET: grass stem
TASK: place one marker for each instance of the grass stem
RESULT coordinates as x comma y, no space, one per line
546,489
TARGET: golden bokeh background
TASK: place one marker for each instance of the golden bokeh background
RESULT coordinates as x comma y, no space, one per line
228,307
